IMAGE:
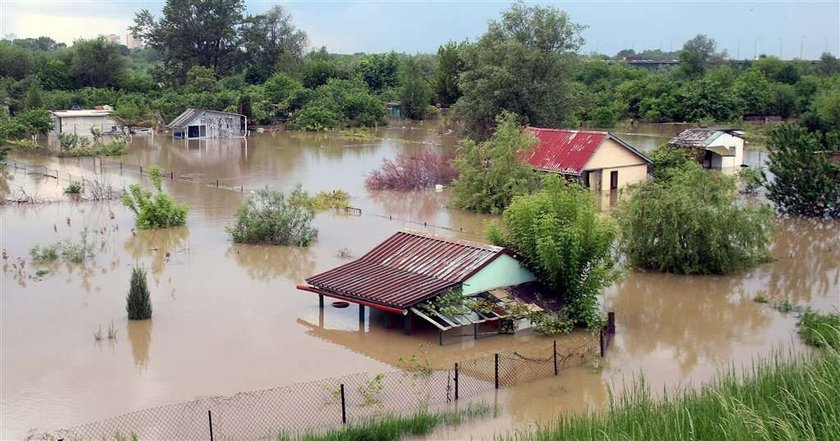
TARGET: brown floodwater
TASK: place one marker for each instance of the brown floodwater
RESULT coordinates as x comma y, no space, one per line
227,318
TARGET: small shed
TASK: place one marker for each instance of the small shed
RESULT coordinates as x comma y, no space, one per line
394,109
202,123
400,275
601,161
722,147
82,122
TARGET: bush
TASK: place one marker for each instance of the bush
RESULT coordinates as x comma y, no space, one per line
45,254
74,187
154,211
820,330
692,223
412,171
552,323
316,118
138,303
325,200
273,218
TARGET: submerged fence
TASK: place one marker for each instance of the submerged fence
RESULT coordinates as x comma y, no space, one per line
329,403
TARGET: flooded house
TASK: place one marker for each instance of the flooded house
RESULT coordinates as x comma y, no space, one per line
83,122
601,161
203,124
722,148
417,274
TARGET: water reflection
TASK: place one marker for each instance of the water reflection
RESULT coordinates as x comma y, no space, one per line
162,245
414,205
268,262
140,335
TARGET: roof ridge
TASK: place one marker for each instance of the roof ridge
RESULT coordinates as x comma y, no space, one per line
549,129
452,240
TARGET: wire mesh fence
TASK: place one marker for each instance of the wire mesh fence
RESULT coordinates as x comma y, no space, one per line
320,405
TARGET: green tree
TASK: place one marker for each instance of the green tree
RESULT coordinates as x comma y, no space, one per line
272,44
34,96
415,94
96,63
449,68
316,72
697,55
380,71
565,242
692,223
340,103
806,180
157,210
15,62
273,218
521,64
755,90
193,32
491,173
200,79
828,65
138,303
281,91
35,121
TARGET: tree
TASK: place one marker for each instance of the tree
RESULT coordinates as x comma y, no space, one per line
416,95
273,218
154,211
280,91
193,32
138,303
15,62
34,96
755,90
380,71
272,43
521,64
697,54
828,65
36,121
317,72
340,103
565,242
491,173
96,63
449,68
200,79
691,223
806,180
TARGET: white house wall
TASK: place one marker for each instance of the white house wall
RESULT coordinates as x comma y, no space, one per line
502,271
727,140
82,125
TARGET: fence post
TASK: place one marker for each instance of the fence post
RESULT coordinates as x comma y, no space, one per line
242,189
456,381
217,183
172,176
496,359
611,322
210,422
603,342
343,406
120,167
141,170
555,357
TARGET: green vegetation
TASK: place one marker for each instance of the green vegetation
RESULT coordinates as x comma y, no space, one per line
566,244
806,179
690,222
138,303
273,218
74,145
156,210
821,330
395,427
491,173
775,399
325,200
74,187
73,252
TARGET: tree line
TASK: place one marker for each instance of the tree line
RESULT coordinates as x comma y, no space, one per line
211,54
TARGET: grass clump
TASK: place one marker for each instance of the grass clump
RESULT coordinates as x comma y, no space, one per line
45,254
395,427
821,330
776,399
139,301
73,252
157,210
74,187
274,218
325,200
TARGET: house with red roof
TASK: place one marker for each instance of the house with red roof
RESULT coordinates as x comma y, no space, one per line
601,161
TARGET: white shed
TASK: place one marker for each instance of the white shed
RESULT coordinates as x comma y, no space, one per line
723,146
81,122
199,123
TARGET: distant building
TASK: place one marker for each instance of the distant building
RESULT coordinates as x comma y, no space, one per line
599,160
113,38
133,43
81,122
198,123
394,109
723,147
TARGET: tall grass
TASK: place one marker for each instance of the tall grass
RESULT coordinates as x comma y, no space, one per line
395,427
818,329
775,399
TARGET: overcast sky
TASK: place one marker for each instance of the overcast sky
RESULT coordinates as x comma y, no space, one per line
743,29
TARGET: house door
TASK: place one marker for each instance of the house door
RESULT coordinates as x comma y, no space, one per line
613,180
192,132
595,180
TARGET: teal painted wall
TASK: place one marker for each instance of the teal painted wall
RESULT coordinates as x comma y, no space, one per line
503,271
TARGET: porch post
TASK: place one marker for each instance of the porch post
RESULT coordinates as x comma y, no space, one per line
361,313
321,301
407,323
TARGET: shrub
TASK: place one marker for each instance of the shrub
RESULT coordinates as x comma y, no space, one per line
45,254
75,187
273,218
552,323
325,200
154,211
820,329
412,171
138,303
692,223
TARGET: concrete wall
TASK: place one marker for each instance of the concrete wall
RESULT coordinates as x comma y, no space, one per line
219,125
727,140
81,125
612,156
503,271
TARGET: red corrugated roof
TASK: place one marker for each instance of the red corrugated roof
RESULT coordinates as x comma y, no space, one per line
564,151
407,268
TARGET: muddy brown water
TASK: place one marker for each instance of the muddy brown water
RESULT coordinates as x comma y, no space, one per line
227,318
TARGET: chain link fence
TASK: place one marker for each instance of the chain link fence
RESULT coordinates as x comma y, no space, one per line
320,405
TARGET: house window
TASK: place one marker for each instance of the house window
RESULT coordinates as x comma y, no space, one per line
613,179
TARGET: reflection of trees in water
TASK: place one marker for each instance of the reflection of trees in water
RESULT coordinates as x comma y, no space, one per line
140,335
410,205
157,243
268,262
693,317
808,265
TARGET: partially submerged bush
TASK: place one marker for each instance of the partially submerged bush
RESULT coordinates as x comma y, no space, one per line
154,211
74,252
74,187
273,218
74,145
821,330
413,171
138,303
46,253
325,200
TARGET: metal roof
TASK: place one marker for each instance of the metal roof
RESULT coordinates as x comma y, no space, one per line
82,113
701,136
407,268
568,151
190,114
